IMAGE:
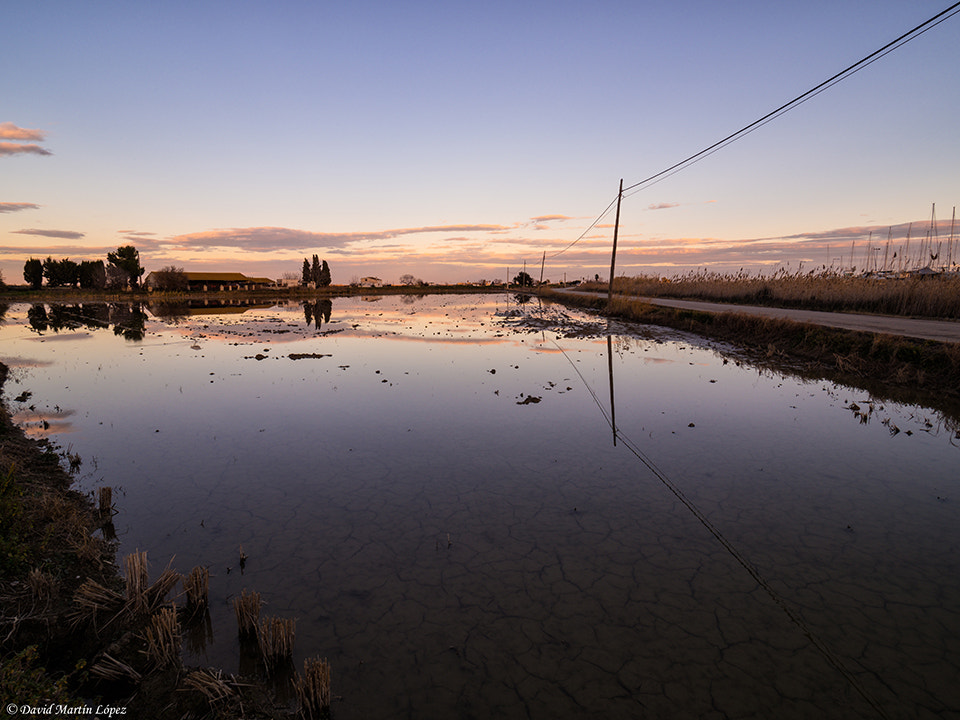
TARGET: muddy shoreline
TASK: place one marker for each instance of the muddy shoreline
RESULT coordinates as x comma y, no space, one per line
56,649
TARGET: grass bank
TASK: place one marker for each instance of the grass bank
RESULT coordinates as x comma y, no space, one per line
912,296
908,370
73,633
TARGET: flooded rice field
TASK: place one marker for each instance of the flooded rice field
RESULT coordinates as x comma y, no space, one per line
433,488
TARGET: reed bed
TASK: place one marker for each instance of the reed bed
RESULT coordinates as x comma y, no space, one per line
247,609
106,501
313,689
162,637
93,599
276,636
211,684
196,586
110,668
135,565
824,289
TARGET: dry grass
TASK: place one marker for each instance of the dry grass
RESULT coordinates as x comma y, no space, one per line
276,636
937,296
135,565
43,586
211,684
313,689
106,501
247,609
196,585
162,638
109,668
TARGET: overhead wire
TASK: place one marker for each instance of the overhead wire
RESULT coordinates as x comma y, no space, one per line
866,61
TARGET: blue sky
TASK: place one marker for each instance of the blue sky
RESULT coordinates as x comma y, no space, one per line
454,141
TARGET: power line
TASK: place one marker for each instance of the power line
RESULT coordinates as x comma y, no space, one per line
757,124
800,99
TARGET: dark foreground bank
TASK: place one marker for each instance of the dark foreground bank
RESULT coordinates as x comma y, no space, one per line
73,636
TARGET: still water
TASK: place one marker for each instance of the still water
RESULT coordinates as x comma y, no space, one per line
432,488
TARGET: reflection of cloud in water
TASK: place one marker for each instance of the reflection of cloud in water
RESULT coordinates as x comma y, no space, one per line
39,424
17,362
63,336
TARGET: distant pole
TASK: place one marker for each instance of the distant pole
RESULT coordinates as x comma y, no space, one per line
613,255
542,261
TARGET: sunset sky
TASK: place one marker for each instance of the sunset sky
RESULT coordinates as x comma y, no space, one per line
455,141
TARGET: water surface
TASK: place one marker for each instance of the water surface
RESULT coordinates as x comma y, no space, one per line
430,486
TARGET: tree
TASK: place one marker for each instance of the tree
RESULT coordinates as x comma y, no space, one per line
408,279
33,273
127,260
61,272
93,274
306,272
324,274
315,271
523,279
170,278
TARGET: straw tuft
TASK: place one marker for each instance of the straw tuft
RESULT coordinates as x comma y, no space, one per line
276,637
247,609
313,689
162,637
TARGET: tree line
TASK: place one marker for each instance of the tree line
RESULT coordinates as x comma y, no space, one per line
315,272
122,270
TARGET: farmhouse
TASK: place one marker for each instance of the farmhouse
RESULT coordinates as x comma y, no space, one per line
215,281
371,282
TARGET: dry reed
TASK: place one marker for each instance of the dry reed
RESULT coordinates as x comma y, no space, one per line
136,566
92,599
162,637
196,585
276,636
313,689
247,609
106,501
211,684
41,584
109,668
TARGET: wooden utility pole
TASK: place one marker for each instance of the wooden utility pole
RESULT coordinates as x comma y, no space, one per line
542,261
613,255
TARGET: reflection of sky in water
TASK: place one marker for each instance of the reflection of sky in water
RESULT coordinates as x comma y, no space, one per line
485,557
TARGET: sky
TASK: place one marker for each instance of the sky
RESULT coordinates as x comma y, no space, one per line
459,142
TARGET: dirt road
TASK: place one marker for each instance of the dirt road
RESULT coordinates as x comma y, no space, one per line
942,330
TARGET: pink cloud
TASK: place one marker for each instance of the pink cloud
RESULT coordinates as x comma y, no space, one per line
662,206
7,148
9,131
7,207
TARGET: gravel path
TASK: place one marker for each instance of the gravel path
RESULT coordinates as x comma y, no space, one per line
926,329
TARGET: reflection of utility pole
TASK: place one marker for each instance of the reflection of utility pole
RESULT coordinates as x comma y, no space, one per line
613,414
613,255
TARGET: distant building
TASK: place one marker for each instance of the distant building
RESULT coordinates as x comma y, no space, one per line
371,282
218,281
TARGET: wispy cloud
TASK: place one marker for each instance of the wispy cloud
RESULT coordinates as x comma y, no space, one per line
9,131
9,207
63,234
272,239
662,206
8,148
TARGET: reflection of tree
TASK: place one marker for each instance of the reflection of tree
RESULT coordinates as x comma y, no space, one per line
522,298
3,311
37,317
318,312
407,299
129,320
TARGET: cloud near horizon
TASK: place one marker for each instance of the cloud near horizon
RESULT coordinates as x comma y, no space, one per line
63,234
272,239
662,206
8,207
